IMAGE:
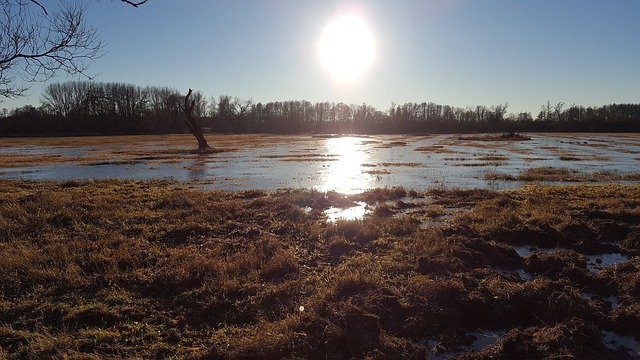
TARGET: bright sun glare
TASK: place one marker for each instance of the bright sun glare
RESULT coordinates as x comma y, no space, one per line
346,47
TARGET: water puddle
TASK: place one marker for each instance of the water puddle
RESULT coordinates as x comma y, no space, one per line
483,339
627,344
526,250
598,262
612,301
357,212
525,275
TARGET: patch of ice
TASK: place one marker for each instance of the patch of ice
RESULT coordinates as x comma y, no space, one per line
612,301
598,262
524,275
484,339
615,341
525,250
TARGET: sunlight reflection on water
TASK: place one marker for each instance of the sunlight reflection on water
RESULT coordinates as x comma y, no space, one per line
353,213
349,164
345,175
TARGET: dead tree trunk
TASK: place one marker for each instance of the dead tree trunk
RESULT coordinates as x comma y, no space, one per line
193,125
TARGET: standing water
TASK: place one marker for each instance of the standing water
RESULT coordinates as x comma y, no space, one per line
347,164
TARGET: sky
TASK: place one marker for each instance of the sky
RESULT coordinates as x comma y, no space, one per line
456,52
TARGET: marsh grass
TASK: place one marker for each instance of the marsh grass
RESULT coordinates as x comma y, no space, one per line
495,137
561,174
436,149
123,269
391,144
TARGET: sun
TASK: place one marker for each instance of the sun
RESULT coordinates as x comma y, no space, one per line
346,47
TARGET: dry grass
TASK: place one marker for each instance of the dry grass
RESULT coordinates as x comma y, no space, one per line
492,158
401,164
561,174
121,269
377,172
391,144
576,157
495,137
436,149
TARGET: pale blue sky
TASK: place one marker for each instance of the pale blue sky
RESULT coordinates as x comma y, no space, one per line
461,53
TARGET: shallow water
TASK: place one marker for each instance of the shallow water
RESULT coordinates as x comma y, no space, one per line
613,302
598,262
357,212
483,339
349,164
615,341
526,250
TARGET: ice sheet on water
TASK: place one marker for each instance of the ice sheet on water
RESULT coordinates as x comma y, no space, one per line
525,250
598,262
483,339
346,164
615,341
612,301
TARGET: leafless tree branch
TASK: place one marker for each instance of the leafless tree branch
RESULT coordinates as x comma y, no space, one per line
36,43
42,7
134,4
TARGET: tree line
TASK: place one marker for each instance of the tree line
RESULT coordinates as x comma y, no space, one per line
95,108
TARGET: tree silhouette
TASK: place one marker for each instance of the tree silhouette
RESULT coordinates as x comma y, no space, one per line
193,125
36,43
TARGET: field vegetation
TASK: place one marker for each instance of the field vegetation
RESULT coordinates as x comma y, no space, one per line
159,269
562,174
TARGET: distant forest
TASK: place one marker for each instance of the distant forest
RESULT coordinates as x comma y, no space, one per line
90,108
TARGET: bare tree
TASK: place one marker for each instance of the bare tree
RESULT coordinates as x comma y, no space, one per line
193,125
558,110
36,43
134,3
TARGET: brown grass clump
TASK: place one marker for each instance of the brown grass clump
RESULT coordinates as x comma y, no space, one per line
123,269
436,149
492,158
383,194
401,164
560,174
490,137
281,264
377,172
569,158
392,144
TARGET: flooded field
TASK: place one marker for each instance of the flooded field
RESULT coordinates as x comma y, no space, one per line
346,164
